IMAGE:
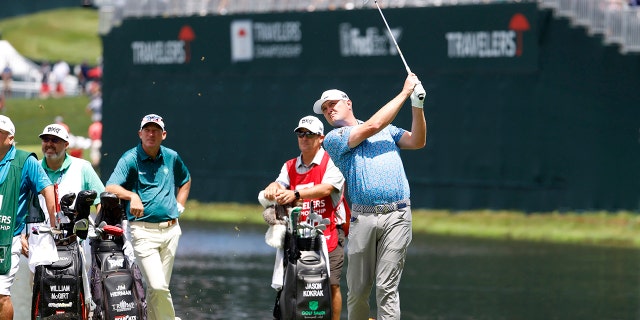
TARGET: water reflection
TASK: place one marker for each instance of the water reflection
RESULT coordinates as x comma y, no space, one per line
224,272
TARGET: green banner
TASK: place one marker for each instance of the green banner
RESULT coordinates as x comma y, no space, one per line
519,115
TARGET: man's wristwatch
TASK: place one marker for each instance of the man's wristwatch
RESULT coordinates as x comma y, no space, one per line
297,194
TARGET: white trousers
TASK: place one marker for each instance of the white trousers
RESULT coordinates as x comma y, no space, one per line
155,250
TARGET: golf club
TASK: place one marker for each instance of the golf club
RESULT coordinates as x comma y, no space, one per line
419,89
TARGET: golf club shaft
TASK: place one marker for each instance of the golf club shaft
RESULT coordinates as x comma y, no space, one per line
418,88
393,38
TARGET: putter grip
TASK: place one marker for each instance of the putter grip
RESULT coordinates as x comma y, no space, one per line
419,89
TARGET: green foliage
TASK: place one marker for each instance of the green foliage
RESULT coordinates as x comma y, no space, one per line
69,34
30,116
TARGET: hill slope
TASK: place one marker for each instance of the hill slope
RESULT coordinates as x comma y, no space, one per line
69,34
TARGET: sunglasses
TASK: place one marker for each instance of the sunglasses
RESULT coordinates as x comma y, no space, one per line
307,134
51,139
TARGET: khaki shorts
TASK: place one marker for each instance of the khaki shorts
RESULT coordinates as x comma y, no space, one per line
336,260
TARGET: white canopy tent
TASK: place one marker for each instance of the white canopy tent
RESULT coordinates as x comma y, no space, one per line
26,74
22,68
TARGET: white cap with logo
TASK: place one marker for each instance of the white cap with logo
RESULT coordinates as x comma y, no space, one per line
333,94
55,130
7,125
152,118
312,124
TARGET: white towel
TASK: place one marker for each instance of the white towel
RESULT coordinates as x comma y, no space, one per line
277,280
278,270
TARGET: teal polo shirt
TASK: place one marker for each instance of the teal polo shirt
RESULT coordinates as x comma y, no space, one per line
34,179
154,180
87,175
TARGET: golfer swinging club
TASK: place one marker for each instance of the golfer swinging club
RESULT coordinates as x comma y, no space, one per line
368,155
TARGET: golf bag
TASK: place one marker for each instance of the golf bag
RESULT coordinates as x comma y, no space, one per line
116,283
306,291
59,290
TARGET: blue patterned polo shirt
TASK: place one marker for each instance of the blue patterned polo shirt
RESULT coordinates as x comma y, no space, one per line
373,169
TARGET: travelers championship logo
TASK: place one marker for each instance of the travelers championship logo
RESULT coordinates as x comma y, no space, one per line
506,43
164,51
263,40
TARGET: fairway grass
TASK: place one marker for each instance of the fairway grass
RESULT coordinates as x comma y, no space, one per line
620,229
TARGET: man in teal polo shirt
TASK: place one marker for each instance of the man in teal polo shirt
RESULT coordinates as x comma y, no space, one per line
20,175
148,176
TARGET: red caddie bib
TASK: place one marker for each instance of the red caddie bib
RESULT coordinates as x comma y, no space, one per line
323,206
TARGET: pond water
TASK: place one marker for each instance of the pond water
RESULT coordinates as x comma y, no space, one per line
224,272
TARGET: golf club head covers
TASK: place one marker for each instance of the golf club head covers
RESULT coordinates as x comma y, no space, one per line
110,210
264,201
66,215
65,204
273,215
83,203
113,230
274,236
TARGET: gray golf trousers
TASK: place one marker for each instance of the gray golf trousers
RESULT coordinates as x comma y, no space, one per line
376,253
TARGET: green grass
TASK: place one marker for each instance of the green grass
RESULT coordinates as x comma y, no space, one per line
620,229
69,34
30,116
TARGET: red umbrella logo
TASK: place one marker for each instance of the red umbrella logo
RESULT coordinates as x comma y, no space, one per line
519,24
187,35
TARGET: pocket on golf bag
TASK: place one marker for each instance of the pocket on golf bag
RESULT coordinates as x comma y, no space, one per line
120,296
58,287
306,292
116,285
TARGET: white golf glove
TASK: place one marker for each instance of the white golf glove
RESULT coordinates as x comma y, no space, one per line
418,91
180,208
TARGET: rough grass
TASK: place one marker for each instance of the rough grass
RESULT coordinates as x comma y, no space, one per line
69,34
30,116
591,228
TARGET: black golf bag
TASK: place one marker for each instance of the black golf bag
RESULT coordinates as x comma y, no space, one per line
58,289
306,291
116,284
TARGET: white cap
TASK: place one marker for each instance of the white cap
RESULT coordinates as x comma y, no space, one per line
55,130
333,94
152,118
312,124
7,125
